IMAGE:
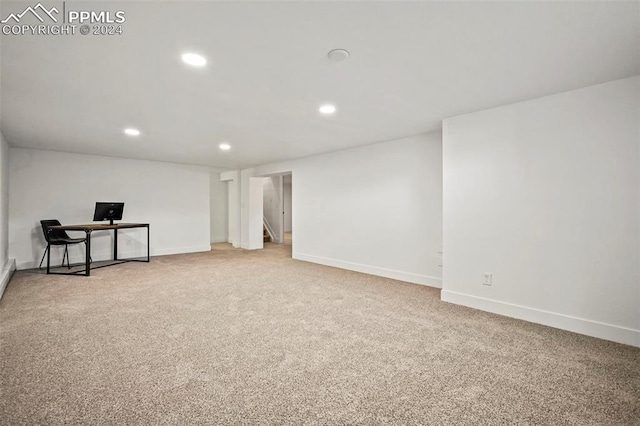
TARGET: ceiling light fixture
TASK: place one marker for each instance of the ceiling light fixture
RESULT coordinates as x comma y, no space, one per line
194,59
327,109
338,55
132,132
224,146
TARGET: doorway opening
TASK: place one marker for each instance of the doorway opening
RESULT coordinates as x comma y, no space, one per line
277,209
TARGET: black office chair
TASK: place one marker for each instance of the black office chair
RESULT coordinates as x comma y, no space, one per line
58,237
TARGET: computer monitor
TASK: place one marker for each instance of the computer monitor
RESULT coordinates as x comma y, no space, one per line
108,211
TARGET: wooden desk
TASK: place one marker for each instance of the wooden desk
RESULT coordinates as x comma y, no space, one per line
88,229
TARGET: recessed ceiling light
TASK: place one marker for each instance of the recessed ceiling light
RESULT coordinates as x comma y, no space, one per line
194,59
131,131
224,146
327,109
338,55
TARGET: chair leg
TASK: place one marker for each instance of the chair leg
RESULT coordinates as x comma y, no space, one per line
43,255
66,252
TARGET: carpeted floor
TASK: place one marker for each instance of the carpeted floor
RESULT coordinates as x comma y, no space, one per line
239,337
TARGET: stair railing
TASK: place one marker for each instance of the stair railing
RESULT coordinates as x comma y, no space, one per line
269,229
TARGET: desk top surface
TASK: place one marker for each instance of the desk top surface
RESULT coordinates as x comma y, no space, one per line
100,226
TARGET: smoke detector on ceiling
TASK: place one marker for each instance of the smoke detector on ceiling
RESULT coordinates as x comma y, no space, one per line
338,55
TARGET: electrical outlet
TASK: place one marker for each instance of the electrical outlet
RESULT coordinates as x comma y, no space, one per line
487,278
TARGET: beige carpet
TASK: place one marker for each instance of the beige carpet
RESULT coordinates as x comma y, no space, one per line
238,337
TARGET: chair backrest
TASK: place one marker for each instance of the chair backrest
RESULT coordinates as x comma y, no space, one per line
55,234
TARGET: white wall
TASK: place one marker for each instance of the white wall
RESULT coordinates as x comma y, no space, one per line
7,266
272,205
219,209
251,206
232,180
173,198
545,195
4,201
375,209
286,194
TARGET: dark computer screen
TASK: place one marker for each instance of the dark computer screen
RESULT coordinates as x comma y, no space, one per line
108,211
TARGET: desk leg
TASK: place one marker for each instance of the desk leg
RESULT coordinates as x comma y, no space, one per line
148,231
115,244
87,254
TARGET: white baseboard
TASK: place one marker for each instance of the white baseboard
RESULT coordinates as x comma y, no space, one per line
180,250
249,247
372,270
98,257
627,336
5,275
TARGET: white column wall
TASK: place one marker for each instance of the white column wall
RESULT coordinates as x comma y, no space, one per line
288,225
232,179
219,209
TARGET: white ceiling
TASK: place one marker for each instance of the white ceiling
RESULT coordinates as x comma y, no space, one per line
411,65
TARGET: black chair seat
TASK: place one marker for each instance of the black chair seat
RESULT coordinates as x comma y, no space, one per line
61,241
